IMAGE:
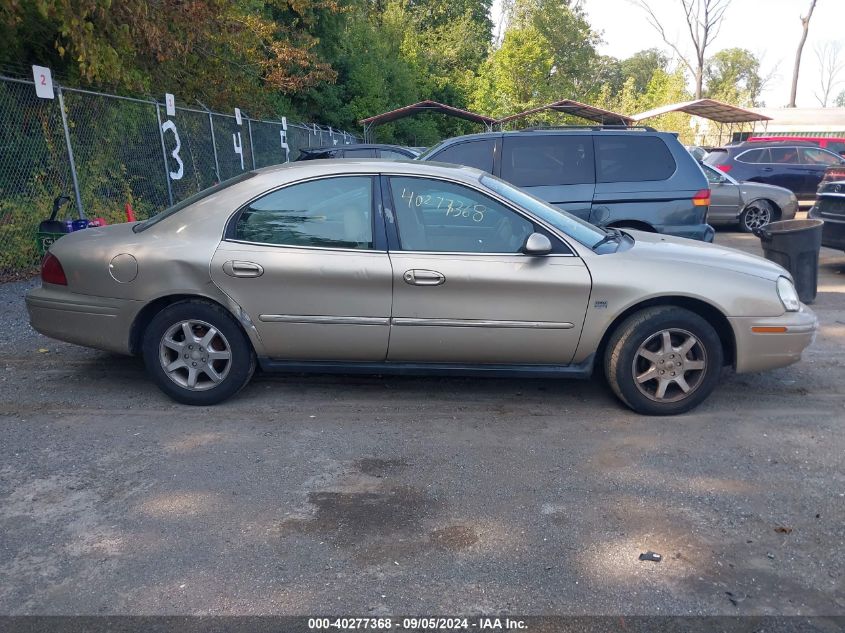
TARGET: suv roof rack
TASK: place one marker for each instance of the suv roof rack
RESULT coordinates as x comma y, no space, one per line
540,128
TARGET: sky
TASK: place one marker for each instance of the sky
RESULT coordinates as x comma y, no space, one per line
768,28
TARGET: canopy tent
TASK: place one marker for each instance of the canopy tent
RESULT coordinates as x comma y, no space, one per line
423,106
721,113
707,109
581,110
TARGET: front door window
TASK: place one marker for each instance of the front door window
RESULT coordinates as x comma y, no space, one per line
439,216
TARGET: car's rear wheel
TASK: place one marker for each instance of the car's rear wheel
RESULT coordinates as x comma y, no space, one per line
663,360
756,215
197,353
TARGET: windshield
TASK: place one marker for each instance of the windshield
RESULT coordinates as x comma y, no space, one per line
584,232
143,226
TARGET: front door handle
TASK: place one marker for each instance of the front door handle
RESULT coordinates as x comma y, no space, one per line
419,277
242,269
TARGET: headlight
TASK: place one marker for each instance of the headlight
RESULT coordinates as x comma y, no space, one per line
788,296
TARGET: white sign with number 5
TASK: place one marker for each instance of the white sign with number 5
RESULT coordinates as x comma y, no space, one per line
283,134
170,125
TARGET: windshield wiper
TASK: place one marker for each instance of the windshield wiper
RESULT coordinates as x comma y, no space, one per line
612,234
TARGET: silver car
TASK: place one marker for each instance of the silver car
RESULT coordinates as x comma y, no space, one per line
413,267
750,205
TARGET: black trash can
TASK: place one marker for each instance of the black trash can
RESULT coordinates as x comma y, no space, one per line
795,244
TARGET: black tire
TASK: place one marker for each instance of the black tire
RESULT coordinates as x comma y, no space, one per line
623,360
754,214
234,373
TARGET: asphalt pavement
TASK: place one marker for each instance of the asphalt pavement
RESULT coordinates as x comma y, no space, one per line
387,495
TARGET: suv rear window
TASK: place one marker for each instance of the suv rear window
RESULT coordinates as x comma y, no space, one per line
556,159
632,158
755,156
478,154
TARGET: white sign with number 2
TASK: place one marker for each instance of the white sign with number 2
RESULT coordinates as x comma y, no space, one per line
43,82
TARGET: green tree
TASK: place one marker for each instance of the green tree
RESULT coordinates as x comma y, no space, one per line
642,65
733,75
547,54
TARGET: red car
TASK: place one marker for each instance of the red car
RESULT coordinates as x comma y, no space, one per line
836,145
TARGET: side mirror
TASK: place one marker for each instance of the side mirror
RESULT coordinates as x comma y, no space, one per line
537,244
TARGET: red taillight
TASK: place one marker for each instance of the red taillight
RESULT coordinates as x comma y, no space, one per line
52,271
701,198
833,174
724,168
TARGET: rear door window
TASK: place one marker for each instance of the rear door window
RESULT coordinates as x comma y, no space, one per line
547,160
784,155
391,154
632,159
359,153
478,154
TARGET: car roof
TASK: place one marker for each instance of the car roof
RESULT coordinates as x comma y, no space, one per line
310,168
574,129
764,144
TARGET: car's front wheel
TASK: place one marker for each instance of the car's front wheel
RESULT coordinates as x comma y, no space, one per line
197,353
663,360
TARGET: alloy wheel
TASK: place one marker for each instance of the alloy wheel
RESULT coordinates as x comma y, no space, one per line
670,365
195,355
757,215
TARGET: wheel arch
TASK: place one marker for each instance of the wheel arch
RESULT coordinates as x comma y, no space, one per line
148,312
775,206
709,312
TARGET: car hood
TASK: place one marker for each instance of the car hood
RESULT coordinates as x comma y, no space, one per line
674,250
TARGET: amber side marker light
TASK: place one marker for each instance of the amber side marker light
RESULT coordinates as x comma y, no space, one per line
769,329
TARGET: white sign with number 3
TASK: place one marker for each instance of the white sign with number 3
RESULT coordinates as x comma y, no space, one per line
170,125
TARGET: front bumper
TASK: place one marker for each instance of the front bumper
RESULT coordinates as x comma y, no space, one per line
791,334
98,322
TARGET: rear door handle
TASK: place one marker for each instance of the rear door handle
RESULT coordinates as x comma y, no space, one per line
420,277
767,169
242,269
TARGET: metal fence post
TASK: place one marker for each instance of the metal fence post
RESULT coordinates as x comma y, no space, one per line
164,155
70,153
251,146
213,141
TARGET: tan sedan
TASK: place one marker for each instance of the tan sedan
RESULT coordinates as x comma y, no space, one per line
370,266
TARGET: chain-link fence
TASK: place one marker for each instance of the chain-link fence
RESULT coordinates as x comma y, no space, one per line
106,152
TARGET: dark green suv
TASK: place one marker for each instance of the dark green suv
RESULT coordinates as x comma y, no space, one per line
623,177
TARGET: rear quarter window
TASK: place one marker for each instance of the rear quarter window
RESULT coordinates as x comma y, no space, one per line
478,154
754,156
632,159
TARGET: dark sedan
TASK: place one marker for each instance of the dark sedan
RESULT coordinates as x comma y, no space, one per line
830,207
369,150
793,165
